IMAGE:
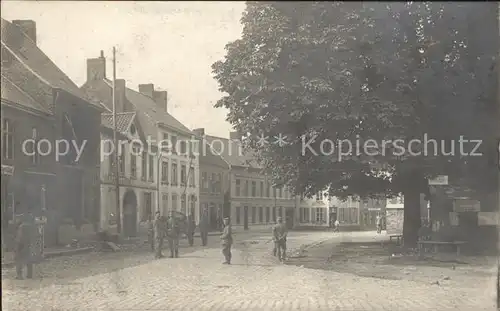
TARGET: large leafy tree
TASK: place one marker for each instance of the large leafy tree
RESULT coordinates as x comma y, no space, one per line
350,71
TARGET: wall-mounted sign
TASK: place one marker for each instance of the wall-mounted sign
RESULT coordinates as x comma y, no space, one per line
466,205
440,180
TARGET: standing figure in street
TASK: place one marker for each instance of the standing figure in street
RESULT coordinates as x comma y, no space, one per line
226,241
173,235
204,227
25,236
379,224
191,226
336,226
159,234
151,234
279,236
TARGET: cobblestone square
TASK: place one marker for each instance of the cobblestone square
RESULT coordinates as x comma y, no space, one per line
255,281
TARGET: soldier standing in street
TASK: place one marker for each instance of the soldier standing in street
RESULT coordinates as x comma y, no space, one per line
204,227
159,234
226,241
173,235
25,236
279,236
191,226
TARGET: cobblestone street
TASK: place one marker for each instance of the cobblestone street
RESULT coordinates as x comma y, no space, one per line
255,281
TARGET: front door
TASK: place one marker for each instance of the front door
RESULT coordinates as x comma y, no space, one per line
245,218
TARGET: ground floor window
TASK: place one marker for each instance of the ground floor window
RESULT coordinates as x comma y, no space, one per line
304,214
238,215
8,208
280,212
261,214
254,214
148,206
268,214
320,215
348,215
274,214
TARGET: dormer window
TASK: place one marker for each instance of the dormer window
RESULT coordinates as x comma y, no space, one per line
133,130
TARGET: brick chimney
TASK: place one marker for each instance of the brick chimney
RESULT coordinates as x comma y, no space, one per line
120,89
28,27
147,89
96,68
234,136
199,132
161,99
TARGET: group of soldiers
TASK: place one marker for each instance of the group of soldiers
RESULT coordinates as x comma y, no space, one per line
171,228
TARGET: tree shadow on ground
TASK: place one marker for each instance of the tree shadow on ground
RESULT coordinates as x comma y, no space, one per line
376,260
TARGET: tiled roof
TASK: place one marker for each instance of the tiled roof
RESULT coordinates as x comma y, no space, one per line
12,93
232,152
148,112
23,60
123,121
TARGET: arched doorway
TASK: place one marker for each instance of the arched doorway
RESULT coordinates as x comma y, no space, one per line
130,214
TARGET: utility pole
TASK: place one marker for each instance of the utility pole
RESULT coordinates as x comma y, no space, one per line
117,151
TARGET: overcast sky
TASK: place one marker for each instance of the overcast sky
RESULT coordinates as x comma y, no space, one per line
170,44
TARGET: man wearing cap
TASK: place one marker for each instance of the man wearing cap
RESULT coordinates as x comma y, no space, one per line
204,227
226,241
279,236
173,235
159,234
25,237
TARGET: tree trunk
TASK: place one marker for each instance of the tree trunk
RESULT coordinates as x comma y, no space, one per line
411,223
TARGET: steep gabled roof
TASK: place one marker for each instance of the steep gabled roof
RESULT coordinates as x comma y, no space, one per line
24,60
232,151
13,94
148,113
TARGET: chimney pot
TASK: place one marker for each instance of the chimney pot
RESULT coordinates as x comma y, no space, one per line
200,132
96,68
161,99
234,135
147,89
28,27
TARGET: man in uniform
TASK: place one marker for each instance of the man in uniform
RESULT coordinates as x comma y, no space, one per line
279,236
159,234
204,227
173,235
25,236
191,226
226,241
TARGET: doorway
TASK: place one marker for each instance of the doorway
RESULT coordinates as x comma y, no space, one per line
130,214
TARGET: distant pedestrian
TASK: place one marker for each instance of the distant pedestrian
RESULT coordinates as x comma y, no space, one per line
151,234
227,241
25,238
280,232
204,224
159,234
336,227
173,235
191,226
379,224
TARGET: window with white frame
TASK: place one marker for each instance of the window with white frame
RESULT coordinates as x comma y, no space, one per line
320,215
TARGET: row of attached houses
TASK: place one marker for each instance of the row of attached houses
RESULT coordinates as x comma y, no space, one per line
39,105
151,176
